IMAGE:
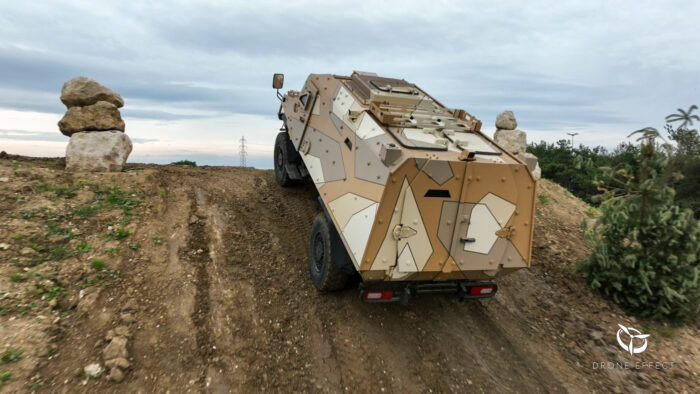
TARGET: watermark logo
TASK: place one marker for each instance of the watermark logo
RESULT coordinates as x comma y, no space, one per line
632,333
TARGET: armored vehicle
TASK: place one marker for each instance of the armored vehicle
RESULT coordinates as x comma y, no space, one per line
415,198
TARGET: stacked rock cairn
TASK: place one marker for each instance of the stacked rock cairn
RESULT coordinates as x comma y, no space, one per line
508,137
95,127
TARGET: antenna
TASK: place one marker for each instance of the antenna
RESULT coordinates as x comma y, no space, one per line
242,152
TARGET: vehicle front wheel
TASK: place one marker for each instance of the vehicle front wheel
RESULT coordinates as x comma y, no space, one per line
324,271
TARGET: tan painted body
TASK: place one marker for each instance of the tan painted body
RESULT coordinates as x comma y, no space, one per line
414,189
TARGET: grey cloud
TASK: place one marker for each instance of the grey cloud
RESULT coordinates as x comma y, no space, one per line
555,64
25,135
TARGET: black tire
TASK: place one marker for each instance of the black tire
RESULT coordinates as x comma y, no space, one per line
281,158
324,272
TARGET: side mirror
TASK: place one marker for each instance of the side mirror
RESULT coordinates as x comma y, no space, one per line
278,81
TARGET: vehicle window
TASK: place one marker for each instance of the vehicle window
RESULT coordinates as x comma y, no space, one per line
304,98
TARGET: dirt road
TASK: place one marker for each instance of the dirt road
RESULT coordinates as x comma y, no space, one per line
216,298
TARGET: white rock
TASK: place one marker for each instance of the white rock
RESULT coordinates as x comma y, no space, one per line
537,172
4,179
529,159
532,163
4,246
101,151
514,141
506,121
93,370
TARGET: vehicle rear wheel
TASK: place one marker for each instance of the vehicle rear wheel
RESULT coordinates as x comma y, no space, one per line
281,158
324,271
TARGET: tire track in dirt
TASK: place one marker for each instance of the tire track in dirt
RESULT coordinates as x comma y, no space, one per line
197,252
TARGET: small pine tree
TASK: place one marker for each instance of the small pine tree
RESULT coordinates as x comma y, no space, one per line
644,246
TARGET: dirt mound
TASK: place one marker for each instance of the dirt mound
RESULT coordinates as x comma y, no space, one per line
201,275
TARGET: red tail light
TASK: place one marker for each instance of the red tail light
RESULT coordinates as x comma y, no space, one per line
481,290
378,295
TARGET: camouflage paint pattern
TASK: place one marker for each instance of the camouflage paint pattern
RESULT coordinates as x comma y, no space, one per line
415,190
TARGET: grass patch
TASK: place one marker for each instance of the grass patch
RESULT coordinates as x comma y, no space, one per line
66,191
120,233
85,210
58,253
134,246
542,198
17,236
157,240
88,283
28,213
101,278
98,264
43,187
592,212
83,247
668,334
37,383
113,197
17,278
186,163
55,293
6,377
37,247
23,309
11,355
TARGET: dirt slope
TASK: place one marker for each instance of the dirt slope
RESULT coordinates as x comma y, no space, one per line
205,287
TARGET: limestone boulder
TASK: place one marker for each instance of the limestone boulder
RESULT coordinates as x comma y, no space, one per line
514,141
506,121
82,91
532,163
537,172
102,115
98,151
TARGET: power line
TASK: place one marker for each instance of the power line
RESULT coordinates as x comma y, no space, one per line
242,152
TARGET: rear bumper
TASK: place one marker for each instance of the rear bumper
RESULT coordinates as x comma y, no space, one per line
403,291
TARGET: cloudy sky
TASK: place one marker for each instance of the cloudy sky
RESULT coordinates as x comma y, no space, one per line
196,75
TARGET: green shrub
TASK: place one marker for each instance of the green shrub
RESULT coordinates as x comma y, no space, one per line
5,377
85,210
120,233
17,278
644,246
98,264
185,163
84,247
58,253
11,355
